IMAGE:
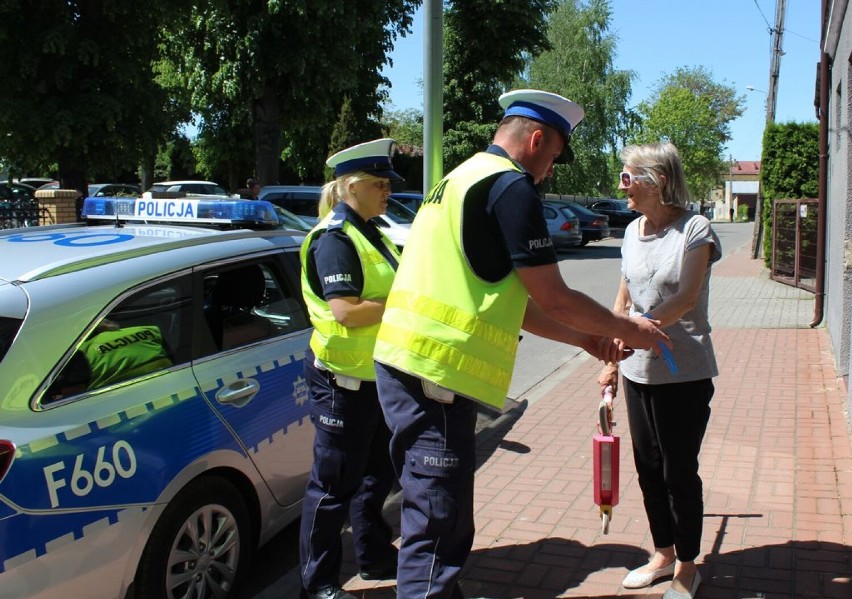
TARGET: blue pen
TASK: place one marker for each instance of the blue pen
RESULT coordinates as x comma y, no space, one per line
665,352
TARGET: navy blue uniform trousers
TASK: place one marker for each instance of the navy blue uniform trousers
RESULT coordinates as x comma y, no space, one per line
433,452
352,474
667,425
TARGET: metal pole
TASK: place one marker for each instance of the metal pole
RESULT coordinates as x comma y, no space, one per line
771,98
731,183
775,62
433,93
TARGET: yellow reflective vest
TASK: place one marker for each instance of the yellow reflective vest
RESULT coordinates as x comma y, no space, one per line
347,350
442,322
125,353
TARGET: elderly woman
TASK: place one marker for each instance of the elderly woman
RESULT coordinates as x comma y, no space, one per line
348,266
665,273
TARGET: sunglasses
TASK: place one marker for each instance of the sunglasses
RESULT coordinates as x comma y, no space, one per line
627,179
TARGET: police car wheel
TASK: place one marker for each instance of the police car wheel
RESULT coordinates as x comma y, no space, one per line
200,546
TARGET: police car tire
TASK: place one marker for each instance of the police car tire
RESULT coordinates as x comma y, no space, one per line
206,493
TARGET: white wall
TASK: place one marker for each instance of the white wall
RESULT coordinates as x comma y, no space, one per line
838,287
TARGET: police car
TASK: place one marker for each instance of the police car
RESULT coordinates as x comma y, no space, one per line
154,423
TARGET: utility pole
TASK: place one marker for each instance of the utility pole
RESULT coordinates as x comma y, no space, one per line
771,99
775,61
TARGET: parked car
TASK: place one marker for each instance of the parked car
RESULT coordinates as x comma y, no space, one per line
36,182
593,226
104,189
189,188
16,191
127,190
563,226
303,201
617,211
288,220
153,472
409,199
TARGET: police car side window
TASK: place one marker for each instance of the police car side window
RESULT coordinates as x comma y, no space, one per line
147,332
248,303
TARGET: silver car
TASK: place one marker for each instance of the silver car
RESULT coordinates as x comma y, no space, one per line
303,201
563,226
153,420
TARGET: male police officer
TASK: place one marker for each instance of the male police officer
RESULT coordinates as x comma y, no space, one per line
479,264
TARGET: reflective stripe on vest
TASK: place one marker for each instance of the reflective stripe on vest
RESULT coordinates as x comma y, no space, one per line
347,350
442,322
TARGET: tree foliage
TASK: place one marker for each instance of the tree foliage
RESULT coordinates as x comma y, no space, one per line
579,66
694,113
788,169
283,68
486,45
79,86
404,126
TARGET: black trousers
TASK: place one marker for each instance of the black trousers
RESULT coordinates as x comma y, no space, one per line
667,425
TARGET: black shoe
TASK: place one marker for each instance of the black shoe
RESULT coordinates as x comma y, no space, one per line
379,572
329,592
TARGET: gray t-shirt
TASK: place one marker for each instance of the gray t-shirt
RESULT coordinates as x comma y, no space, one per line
651,266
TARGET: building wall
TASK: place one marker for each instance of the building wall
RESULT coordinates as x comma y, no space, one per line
736,189
838,284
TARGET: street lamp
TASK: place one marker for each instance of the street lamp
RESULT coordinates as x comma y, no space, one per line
769,115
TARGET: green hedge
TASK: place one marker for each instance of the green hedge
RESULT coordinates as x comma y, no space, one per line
789,169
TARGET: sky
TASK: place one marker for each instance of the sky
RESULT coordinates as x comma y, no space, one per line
730,38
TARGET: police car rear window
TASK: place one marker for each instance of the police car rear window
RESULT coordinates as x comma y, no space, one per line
8,329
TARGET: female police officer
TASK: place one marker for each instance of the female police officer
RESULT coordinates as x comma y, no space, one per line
348,266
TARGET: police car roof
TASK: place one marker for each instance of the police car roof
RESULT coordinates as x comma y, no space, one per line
37,252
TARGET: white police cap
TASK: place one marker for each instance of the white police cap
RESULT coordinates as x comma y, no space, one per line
545,107
373,157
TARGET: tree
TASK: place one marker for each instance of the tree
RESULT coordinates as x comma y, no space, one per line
694,113
404,126
486,46
579,66
79,87
290,64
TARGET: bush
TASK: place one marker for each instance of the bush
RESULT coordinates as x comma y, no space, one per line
789,169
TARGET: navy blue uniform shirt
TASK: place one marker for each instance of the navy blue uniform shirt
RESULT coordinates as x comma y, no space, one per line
509,231
334,268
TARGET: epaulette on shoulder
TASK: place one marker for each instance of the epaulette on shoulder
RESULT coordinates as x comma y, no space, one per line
336,222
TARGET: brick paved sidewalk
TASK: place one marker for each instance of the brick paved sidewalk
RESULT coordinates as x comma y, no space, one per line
776,464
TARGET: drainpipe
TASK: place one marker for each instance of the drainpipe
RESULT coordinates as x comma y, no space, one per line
822,115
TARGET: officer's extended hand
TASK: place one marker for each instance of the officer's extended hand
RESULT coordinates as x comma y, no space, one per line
609,349
647,334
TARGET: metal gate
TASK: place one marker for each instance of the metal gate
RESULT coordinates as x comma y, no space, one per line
19,213
794,243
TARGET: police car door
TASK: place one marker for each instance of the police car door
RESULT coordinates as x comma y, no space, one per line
252,339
